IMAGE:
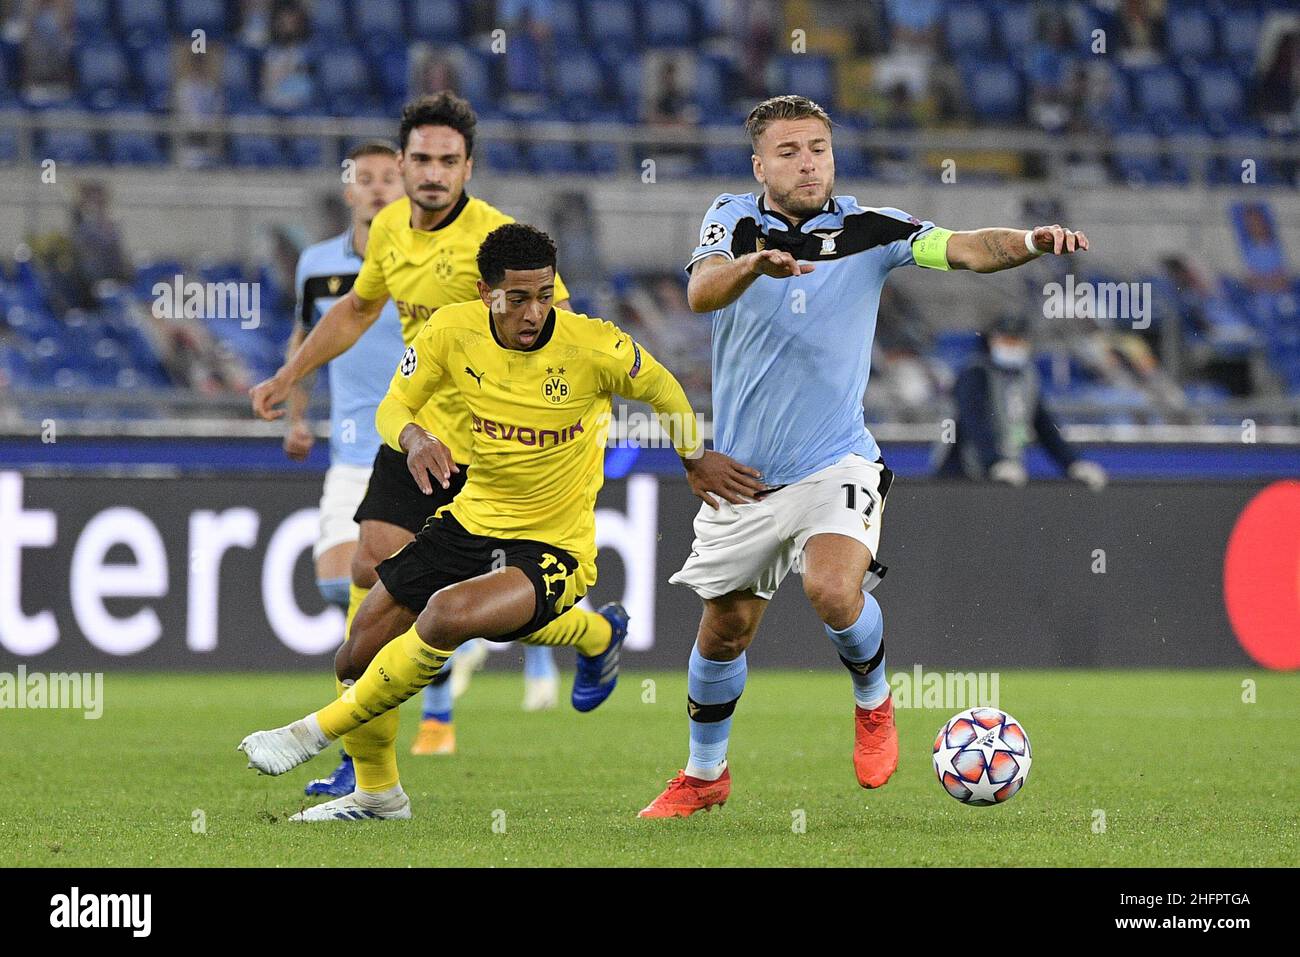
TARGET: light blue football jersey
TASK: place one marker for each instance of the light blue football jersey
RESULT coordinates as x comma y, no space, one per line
358,378
791,356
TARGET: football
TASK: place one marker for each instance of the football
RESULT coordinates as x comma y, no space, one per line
982,756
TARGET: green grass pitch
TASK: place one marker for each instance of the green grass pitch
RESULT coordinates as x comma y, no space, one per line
1184,771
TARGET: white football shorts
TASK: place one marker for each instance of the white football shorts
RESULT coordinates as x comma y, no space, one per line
752,547
345,487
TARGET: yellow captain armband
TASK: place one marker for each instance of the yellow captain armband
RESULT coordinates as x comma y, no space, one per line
931,250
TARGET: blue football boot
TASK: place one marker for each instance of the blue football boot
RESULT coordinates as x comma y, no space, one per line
342,781
596,676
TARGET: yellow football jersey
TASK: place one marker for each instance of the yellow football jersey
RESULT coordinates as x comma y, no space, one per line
539,418
424,270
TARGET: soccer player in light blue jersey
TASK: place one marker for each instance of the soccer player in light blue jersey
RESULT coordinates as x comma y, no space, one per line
792,276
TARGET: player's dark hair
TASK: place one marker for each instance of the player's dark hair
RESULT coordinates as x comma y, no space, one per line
514,246
788,106
372,148
440,109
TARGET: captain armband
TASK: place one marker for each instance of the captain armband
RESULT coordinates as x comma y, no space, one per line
931,250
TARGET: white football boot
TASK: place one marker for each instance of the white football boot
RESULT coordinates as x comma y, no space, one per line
469,658
283,749
541,694
359,806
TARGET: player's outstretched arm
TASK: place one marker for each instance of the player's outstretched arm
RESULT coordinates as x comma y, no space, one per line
995,249
299,438
337,330
716,282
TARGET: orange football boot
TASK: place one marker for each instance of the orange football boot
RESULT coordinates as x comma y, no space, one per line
686,795
875,748
434,737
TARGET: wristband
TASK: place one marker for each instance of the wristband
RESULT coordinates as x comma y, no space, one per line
1029,244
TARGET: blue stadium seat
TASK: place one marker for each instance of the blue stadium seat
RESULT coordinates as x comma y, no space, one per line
476,80
70,146
813,76
968,29
142,21
436,20
343,71
851,162
210,16
306,152
554,157
1017,29
92,18
504,156
8,146
566,23
394,75
954,347
135,148
727,160
1239,31
524,70
155,68
329,19
1189,33
710,83
668,23
255,150
582,77
1219,93
995,92
379,18
612,22
1159,90
102,68
601,157
238,76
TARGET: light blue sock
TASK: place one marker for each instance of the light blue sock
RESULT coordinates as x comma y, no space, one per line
335,590
862,649
539,662
437,696
712,689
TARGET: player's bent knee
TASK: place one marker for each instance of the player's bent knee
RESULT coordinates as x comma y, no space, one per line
442,623
836,599
363,568
724,636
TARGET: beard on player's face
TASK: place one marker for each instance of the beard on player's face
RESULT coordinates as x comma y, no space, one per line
802,203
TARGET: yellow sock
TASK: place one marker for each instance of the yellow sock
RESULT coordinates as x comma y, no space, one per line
356,595
585,630
373,748
402,667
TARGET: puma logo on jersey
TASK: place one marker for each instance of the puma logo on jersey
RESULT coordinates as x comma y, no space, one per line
478,376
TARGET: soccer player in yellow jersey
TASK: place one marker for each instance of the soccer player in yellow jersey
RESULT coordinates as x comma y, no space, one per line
421,253
517,546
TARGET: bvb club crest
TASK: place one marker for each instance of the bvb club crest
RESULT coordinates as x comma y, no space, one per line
442,267
555,388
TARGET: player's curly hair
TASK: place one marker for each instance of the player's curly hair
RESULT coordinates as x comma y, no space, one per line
514,246
788,106
440,109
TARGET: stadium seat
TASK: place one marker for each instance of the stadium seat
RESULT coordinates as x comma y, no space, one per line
476,80
582,78
256,150
504,156
1016,29
1159,91
811,75
379,18
343,72
155,68
710,83
727,160
968,29
524,69
612,23
565,21
210,16
8,146
438,20
601,158
71,146
142,21
1219,93
995,92
668,24
1239,33
92,18
102,70
238,76
554,157
135,148
1189,33
329,19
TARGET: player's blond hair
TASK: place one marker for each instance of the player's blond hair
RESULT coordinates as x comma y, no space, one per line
788,106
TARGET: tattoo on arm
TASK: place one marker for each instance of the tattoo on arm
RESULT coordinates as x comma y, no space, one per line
994,243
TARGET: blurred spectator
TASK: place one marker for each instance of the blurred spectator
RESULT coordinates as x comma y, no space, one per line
286,77
1275,97
198,100
1000,413
254,22
100,254
654,311
902,374
1050,68
47,36
668,107
1141,32
574,229
1261,248
432,70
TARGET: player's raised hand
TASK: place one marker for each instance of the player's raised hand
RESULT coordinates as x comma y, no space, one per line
299,440
425,456
779,264
1059,240
716,474
267,394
